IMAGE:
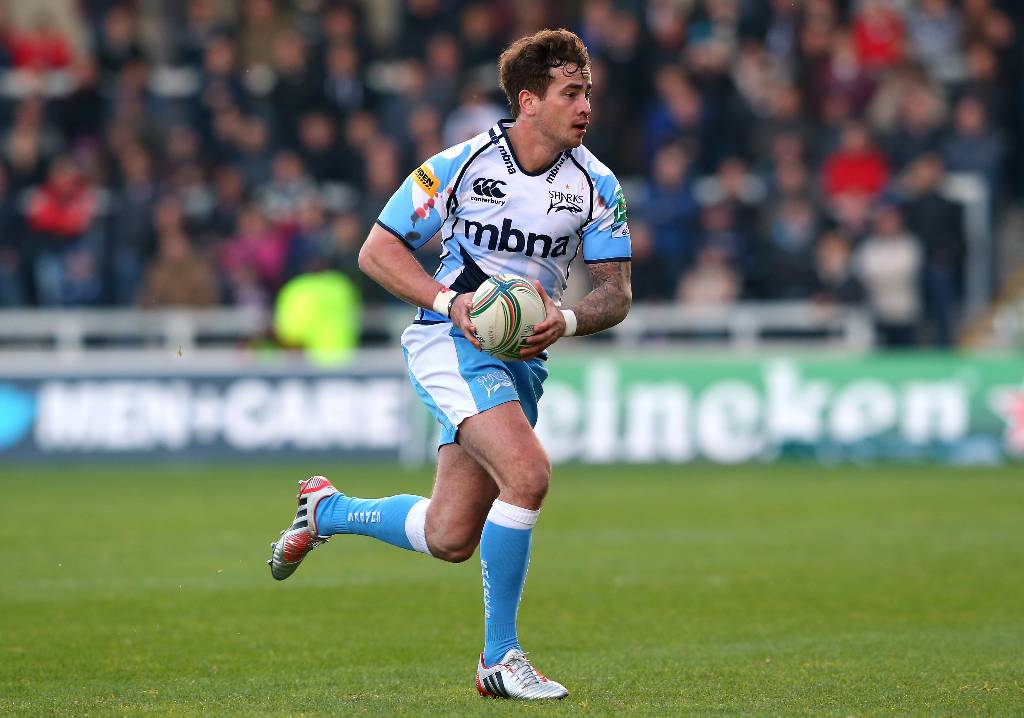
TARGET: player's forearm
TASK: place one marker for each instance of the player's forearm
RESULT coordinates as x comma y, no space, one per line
608,302
389,263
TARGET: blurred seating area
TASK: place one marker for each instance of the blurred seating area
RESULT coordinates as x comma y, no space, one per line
199,153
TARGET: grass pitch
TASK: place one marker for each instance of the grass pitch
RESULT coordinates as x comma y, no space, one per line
652,591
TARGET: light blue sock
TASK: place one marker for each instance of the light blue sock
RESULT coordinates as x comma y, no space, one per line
397,520
504,558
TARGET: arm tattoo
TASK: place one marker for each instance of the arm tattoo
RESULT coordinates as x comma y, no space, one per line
608,302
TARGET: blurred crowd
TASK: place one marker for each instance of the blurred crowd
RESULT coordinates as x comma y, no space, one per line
204,152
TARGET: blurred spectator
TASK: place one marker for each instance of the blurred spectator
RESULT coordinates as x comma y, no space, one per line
178,277
857,166
59,214
889,264
935,32
30,143
783,265
671,210
118,40
983,22
79,114
711,281
40,48
229,196
12,290
254,260
221,86
653,279
382,176
421,20
973,146
844,75
321,151
781,34
200,27
282,198
878,31
732,185
319,312
261,27
344,89
424,133
296,85
474,114
719,230
478,28
254,156
834,279
130,227
918,126
938,223
443,70
983,80
679,114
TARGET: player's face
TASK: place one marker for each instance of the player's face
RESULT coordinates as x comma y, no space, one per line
565,110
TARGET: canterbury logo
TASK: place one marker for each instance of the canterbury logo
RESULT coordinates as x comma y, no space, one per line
488,188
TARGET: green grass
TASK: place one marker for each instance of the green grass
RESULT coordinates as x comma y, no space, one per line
652,591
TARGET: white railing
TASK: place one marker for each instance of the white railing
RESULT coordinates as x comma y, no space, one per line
745,326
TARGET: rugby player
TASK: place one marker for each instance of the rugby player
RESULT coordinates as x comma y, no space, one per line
524,197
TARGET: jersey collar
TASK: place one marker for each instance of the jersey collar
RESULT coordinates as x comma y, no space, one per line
501,129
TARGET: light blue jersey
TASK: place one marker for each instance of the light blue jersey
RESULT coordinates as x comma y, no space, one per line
495,217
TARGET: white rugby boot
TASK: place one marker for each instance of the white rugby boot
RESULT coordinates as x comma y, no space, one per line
301,537
514,677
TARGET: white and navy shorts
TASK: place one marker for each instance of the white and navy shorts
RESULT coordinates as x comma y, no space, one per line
456,380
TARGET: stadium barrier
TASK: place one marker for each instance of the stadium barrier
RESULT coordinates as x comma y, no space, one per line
598,407
76,333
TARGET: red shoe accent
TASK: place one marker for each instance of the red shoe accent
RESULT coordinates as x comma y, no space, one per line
313,484
295,546
481,690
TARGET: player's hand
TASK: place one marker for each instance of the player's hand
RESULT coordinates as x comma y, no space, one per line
548,331
460,317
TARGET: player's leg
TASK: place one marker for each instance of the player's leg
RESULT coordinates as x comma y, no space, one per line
462,496
446,526
502,441
324,511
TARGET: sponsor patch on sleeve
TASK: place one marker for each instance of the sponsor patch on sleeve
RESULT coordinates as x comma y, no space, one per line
620,207
426,179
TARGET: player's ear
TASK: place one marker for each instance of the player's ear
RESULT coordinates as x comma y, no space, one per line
527,103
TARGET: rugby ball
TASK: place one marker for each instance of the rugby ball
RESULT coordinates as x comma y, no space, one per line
505,310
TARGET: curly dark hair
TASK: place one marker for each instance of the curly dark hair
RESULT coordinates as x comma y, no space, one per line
525,63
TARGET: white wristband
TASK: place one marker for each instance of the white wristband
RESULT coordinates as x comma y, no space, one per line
570,322
443,301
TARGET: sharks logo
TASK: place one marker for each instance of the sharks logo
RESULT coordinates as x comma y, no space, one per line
494,381
564,202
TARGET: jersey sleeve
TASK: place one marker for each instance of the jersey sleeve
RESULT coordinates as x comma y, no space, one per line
420,205
606,235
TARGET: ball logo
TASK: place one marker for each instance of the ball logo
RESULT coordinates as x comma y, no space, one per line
488,188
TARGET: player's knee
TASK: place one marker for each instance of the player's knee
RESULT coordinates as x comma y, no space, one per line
532,486
453,549
454,553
